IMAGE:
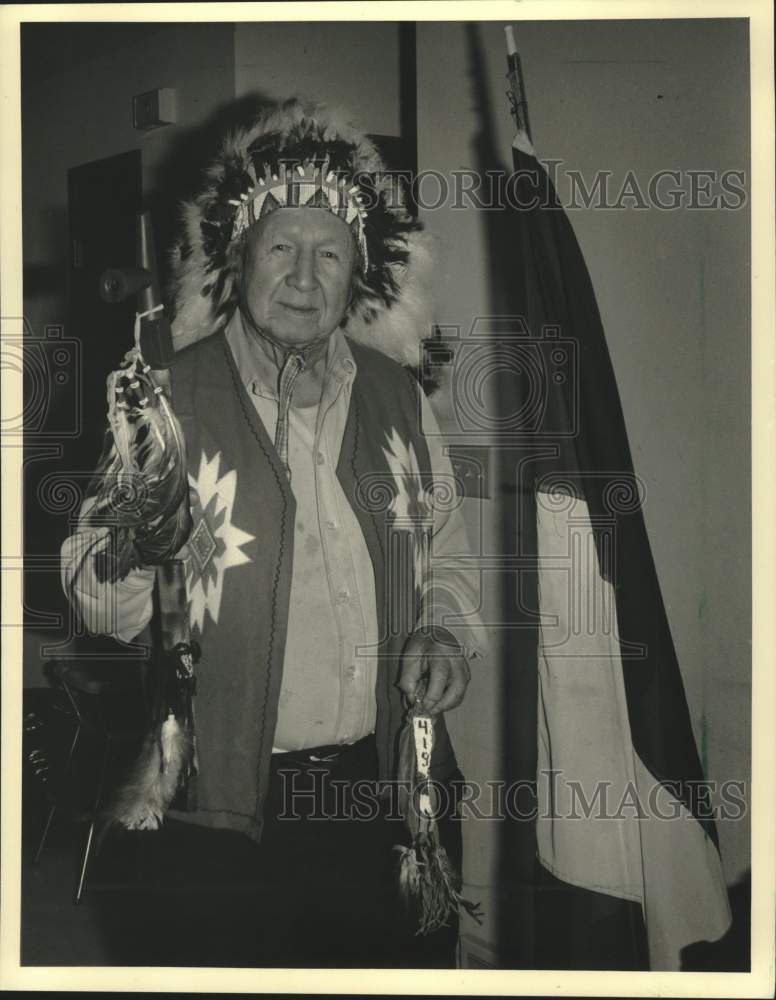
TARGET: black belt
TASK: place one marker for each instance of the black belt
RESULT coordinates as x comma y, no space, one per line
329,754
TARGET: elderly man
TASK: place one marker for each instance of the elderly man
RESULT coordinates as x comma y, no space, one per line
319,508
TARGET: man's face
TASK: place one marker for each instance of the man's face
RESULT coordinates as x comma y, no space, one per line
298,270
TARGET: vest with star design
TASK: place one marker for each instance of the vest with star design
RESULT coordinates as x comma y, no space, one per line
239,560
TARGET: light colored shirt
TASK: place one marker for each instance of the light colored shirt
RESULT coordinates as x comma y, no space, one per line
328,682
327,690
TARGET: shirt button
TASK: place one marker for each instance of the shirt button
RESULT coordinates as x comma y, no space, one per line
343,596
331,525
319,458
348,365
351,671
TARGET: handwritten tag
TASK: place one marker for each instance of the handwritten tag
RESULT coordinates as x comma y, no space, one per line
423,731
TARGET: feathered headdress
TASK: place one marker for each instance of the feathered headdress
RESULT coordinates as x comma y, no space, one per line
305,154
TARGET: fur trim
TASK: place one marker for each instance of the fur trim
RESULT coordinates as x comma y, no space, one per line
391,309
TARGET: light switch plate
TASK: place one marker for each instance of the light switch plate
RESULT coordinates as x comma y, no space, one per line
154,108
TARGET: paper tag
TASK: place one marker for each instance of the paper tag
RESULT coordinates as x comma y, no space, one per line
423,731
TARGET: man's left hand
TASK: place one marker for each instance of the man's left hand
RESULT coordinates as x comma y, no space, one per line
434,667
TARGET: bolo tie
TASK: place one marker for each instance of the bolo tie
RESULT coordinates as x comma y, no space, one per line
295,360
294,364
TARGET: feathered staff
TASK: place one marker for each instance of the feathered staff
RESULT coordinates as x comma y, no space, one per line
141,496
140,487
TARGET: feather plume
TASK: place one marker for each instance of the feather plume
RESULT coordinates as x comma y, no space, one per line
429,885
140,486
397,331
153,780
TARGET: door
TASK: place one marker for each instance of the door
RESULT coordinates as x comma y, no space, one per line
103,198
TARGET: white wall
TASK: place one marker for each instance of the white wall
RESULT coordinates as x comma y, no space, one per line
353,66
674,296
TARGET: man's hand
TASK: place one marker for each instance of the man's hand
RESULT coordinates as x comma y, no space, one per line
434,669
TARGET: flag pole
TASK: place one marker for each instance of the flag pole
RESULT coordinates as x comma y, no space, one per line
516,92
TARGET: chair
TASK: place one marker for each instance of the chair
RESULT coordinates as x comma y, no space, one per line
93,690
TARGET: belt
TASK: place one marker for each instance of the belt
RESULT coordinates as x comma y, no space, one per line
329,754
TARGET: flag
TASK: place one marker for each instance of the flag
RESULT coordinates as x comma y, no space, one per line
621,803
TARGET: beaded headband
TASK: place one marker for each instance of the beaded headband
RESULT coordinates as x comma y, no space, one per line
306,185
